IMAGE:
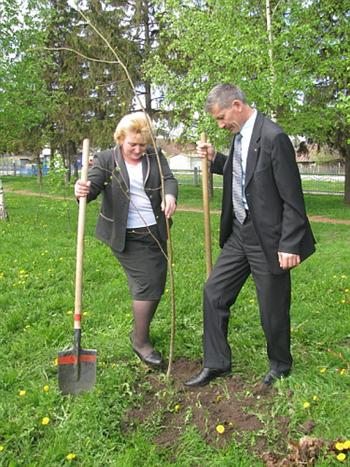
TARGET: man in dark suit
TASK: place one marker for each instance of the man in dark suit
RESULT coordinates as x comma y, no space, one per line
264,232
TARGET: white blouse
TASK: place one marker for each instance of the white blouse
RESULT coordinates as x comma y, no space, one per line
140,208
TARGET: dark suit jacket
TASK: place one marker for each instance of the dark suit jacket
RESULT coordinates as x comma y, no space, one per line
273,192
109,176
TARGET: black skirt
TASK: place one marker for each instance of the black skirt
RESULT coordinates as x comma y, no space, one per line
144,263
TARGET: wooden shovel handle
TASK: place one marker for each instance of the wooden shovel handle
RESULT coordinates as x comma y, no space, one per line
80,240
205,190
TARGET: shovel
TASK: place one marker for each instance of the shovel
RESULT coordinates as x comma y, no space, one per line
77,366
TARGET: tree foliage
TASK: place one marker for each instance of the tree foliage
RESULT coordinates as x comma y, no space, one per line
24,99
210,41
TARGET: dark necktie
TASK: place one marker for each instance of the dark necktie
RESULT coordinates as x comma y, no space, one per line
237,186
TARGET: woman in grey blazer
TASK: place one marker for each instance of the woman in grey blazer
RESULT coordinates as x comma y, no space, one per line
132,219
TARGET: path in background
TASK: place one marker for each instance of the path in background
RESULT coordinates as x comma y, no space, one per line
181,208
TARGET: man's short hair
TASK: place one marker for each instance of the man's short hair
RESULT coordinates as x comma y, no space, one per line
222,95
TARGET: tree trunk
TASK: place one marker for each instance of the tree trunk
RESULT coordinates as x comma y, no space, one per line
3,211
40,171
347,179
271,58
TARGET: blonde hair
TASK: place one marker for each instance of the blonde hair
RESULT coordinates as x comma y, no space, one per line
137,122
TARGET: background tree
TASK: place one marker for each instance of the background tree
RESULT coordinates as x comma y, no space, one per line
293,66
25,103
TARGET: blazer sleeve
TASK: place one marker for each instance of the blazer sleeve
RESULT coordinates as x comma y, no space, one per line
217,166
170,182
287,177
99,175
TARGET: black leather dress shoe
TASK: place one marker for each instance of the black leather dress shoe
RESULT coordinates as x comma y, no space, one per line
273,375
205,376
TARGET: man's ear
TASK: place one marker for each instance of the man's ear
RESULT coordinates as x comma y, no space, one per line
236,105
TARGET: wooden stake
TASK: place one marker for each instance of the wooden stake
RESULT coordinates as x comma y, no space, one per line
205,190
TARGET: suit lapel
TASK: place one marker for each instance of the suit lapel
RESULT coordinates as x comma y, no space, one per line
254,148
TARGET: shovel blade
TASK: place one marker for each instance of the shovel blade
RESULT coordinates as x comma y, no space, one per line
76,372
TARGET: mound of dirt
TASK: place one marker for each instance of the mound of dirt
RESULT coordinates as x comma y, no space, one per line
224,410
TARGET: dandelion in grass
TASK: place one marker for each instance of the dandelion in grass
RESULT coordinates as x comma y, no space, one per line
46,388
55,361
306,405
71,456
339,446
220,429
1,448
323,370
347,444
177,407
69,312
341,457
45,421
342,371
22,393
314,397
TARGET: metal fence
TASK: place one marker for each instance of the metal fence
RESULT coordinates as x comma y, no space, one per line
315,178
329,180
22,170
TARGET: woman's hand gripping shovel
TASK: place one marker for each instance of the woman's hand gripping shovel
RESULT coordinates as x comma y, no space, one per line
77,366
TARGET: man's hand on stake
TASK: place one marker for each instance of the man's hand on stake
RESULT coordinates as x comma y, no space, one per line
206,150
170,206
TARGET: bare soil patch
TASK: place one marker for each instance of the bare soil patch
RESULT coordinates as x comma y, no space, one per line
231,403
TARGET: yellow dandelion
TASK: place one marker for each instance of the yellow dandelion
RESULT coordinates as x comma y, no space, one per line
306,405
22,392
85,313
346,290
218,398
55,361
69,312
45,421
1,448
323,370
342,301
339,446
347,444
71,456
220,429
177,407
46,388
342,371
315,398
341,457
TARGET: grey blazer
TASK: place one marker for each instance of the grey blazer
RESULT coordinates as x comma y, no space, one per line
273,192
109,176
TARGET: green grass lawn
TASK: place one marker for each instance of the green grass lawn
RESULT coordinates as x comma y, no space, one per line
37,263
